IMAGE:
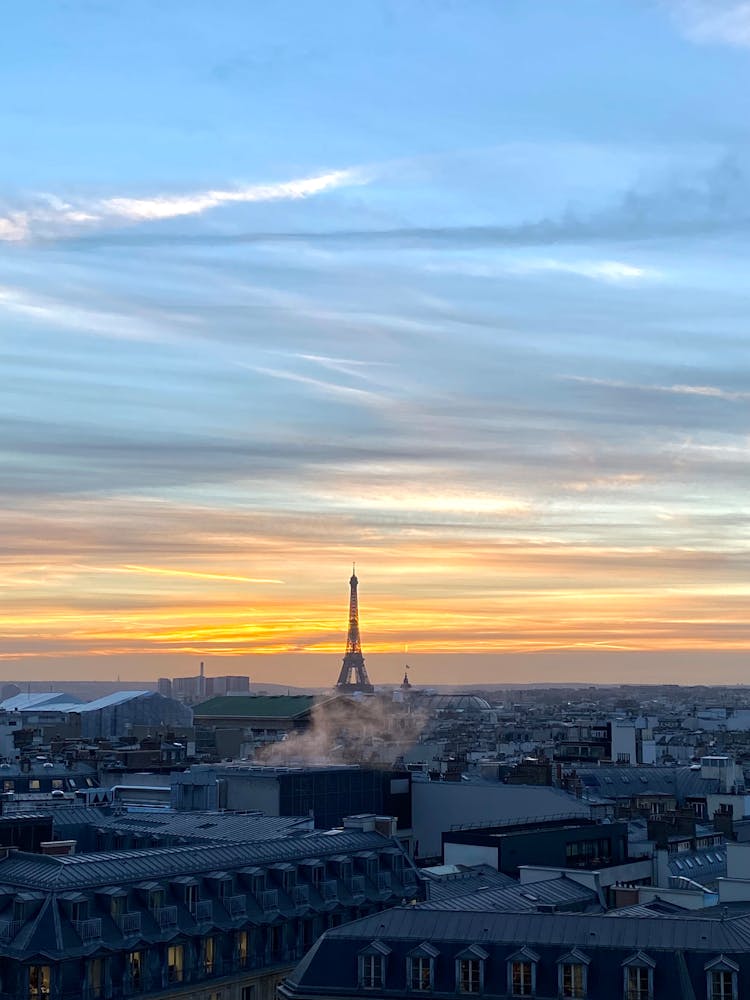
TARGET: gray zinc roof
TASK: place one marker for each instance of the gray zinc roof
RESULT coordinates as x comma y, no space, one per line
118,867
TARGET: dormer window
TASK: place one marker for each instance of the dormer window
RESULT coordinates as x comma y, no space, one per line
572,974
372,966
721,979
420,968
638,977
522,973
470,969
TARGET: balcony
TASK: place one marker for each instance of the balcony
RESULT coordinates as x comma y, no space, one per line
129,923
269,900
236,906
383,882
329,889
9,929
356,885
165,916
203,911
88,930
301,895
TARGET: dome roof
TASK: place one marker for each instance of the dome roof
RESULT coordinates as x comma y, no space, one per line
461,703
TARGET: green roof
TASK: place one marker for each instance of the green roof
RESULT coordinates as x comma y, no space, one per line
280,706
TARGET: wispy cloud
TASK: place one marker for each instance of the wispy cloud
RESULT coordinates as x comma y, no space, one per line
48,216
707,391
615,271
726,22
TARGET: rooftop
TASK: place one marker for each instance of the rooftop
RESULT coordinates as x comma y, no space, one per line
255,706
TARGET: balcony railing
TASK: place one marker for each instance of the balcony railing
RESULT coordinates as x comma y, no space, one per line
165,916
9,929
203,911
130,923
384,882
236,906
356,885
301,895
88,930
329,889
269,900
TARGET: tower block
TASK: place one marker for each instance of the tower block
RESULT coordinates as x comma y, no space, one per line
353,676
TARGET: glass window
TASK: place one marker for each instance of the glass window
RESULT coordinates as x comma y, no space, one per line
34,784
721,985
372,972
8,786
469,975
637,983
134,970
573,980
420,974
209,956
241,941
521,979
39,982
175,963
96,977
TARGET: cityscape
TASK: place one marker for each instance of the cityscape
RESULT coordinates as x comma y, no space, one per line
374,532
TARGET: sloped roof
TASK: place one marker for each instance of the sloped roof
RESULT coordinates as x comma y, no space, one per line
47,872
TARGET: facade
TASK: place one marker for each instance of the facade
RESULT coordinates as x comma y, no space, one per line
222,921
407,951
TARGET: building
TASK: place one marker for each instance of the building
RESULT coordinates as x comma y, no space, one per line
328,794
200,921
654,955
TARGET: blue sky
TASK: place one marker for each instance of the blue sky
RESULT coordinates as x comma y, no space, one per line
457,289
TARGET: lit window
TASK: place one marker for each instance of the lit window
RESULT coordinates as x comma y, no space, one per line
242,949
34,784
175,963
638,983
469,975
420,974
134,970
96,977
209,956
573,980
521,979
39,982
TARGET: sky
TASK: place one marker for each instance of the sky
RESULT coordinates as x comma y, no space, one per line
455,289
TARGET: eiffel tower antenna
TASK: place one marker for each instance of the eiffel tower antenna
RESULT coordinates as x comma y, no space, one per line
354,661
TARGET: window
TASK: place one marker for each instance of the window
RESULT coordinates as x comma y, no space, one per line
57,783
248,992
721,985
34,784
134,970
372,972
175,963
9,786
191,897
721,979
469,975
573,979
241,948
39,982
96,977
420,974
638,983
521,979
209,956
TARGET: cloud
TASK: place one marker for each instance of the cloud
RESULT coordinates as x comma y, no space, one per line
724,22
598,270
707,391
49,216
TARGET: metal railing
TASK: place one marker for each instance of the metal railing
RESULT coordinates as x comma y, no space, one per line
129,923
236,906
9,929
269,900
301,895
384,882
88,930
329,889
203,911
356,885
165,916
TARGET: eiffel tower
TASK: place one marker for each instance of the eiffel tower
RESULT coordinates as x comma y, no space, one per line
354,662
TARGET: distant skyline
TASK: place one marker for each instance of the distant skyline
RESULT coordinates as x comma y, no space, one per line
454,290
